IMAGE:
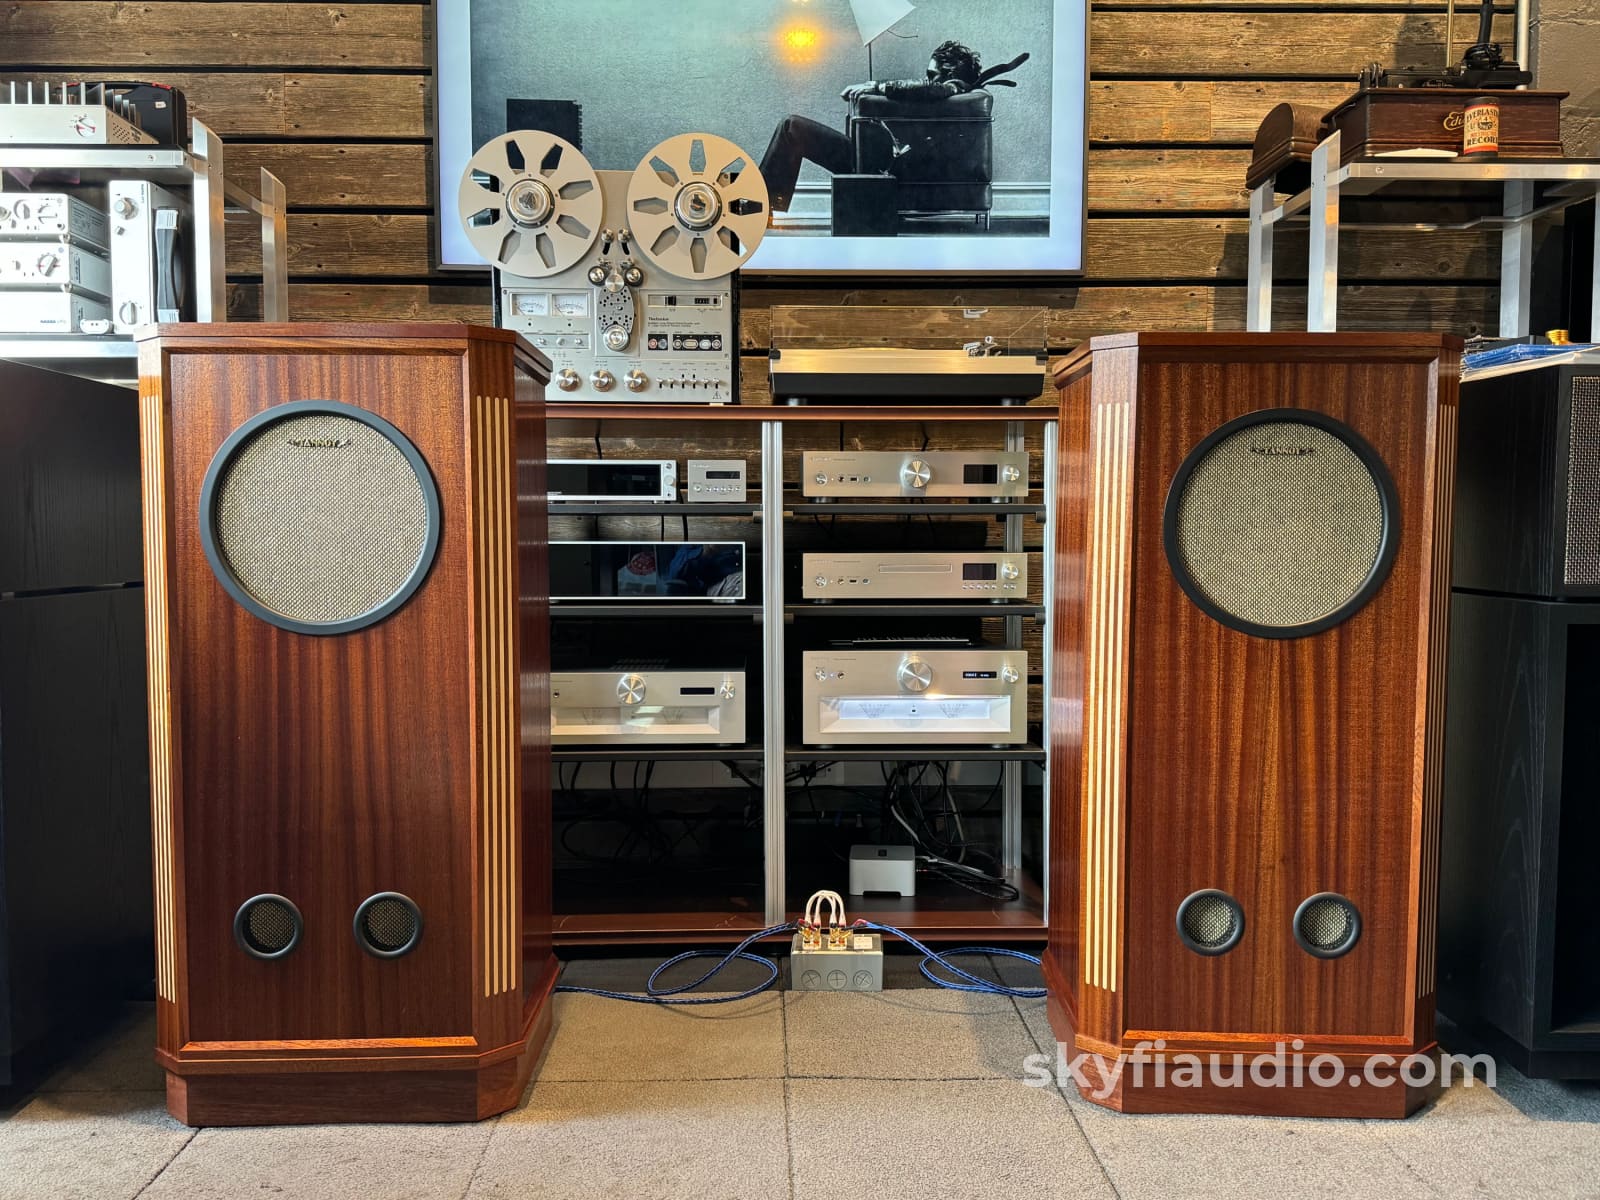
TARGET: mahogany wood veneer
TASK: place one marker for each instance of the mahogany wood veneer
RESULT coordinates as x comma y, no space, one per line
327,767
1195,753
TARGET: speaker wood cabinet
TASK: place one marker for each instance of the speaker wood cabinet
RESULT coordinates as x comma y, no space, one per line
1253,553
351,837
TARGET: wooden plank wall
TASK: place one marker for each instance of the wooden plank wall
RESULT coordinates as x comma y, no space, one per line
336,98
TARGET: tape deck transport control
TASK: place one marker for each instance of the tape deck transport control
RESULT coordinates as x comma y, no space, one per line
625,279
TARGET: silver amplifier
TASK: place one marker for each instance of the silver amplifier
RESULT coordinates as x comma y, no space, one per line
52,216
914,697
147,254
598,479
80,115
54,264
642,704
716,481
41,311
994,474
914,575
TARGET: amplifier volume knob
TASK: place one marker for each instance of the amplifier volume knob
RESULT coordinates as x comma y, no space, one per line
567,380
636,380
916,474
1008,673
915,675
602,380
1010,474
630,690
1008,570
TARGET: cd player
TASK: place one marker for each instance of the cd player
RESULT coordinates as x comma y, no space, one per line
915,576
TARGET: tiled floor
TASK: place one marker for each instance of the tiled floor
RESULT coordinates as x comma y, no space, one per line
914,1093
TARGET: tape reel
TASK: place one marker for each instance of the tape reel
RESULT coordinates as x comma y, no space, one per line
531,203
697,206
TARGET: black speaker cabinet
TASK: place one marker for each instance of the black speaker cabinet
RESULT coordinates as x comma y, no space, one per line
1519,943
74,778
352,847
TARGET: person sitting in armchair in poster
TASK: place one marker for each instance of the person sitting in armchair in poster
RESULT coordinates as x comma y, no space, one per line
953,70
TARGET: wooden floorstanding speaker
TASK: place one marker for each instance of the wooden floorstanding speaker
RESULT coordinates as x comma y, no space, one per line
1247,718
350,808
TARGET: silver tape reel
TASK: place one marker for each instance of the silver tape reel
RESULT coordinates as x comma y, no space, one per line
530,203
697,206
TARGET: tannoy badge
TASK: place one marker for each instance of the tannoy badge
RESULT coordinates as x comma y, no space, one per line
349,787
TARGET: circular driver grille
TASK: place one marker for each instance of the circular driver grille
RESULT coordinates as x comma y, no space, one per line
323,519
1210,922
1280,526
388,925
1327,925
267,926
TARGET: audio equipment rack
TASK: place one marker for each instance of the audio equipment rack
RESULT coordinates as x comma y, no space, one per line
197,174
682,906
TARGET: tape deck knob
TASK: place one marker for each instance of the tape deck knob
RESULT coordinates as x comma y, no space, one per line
1008,570
616,337
636,380
916,474
597,274
567,380
602,380
632,275
915,675
631,689
1008,673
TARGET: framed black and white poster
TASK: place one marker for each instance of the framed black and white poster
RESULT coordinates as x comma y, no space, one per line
943,137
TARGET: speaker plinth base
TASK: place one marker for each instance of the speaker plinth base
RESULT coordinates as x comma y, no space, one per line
287,1091
1127,1084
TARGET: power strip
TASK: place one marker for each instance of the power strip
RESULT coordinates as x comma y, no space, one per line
836,960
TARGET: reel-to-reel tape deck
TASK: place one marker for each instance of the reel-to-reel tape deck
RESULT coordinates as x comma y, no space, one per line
625,279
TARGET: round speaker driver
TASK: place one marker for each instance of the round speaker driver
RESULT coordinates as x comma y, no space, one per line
530,203
1281,523
697,206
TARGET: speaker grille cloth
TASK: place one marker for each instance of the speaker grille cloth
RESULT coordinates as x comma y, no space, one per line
320,518
389,924
1285,537
1582,568
269,926
1326,923
1209,921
